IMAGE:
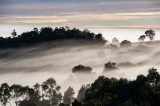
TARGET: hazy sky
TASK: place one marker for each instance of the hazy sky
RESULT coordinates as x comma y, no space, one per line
84,13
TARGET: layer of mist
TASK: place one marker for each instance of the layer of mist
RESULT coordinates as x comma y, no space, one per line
29,65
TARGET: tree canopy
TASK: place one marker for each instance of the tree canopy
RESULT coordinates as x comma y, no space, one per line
81,69
143,91
47,34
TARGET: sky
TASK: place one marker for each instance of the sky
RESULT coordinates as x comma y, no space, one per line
82,13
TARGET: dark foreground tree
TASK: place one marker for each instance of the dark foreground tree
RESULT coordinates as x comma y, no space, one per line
144,91
81,93
17,93
4,93
68,96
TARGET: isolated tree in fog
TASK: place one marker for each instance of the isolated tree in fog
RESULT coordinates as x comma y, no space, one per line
142,38
68,96
126,43
150,34
14,33
115,41
81,69
110,66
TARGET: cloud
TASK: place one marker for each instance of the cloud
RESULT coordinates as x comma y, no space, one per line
55,7
134,19
81,13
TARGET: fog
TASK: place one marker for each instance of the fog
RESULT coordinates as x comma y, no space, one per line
37,63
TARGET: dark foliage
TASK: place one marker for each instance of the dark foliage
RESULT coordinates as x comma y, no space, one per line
150,34
126,43
144,91
46,34
110,66
82,69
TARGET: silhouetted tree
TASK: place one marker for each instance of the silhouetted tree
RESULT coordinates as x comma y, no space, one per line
110,66
81,93
125,43
76,103
150,34
4,93
82,69
99,37
51,92
36,30
14,33
141,38
16,93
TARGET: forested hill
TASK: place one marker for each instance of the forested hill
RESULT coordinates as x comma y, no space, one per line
47,34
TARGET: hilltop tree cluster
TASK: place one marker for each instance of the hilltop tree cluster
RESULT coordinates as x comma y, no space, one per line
47,34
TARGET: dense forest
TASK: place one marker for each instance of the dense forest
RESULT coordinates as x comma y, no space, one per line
143,91
47,34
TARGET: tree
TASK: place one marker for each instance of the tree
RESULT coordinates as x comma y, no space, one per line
51,92
14,33
125,43
37,88
153,77
57,97
81,93
141,38
150,34
68,96
76,103
110,66
99,36
47,34
115,41
36,30
16,93
4,93
82,69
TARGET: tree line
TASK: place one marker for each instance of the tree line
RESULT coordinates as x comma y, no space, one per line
50,34
47,34
143,91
